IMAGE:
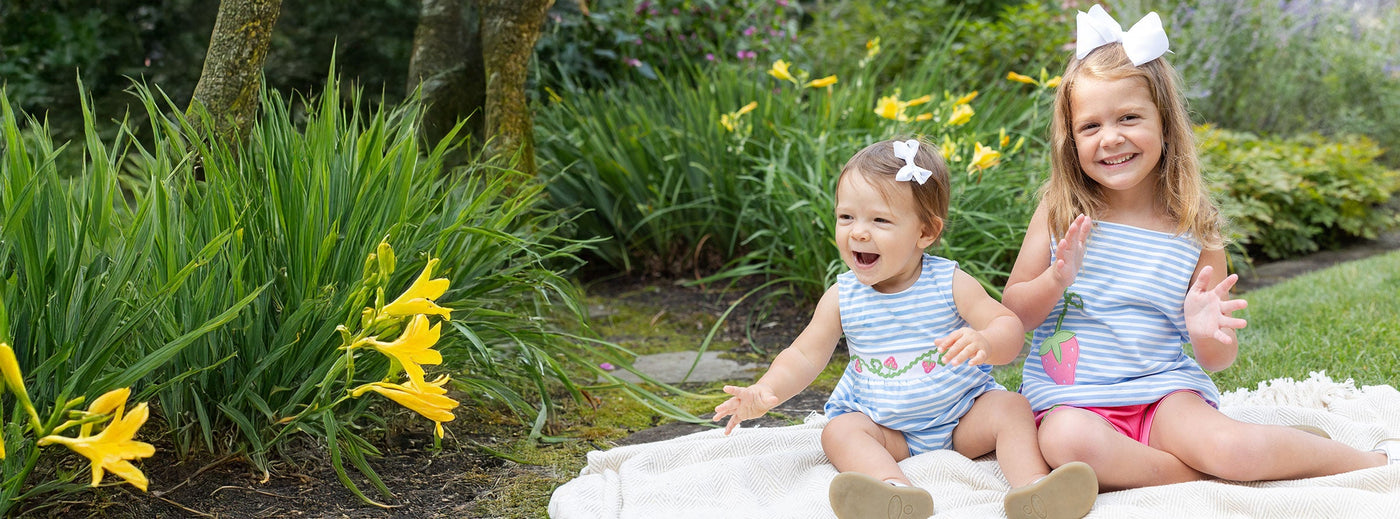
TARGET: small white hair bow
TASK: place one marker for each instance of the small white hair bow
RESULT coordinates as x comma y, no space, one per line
906,150
1144,42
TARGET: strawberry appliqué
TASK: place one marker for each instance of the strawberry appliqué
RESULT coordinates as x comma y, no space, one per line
1059,353
890,367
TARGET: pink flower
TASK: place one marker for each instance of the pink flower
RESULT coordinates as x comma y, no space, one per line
749,31
632,62
607,366
709,56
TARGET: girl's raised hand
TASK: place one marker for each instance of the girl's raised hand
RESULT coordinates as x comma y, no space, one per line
1069,251
745,403
1208,310
963,345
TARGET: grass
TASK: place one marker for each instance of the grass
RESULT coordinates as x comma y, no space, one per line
1344,320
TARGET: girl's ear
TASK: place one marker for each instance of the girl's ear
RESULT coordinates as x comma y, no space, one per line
930,235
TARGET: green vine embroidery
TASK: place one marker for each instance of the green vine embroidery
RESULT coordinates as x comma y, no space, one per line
889,369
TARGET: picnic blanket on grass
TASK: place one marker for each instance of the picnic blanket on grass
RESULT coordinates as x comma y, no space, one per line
781,471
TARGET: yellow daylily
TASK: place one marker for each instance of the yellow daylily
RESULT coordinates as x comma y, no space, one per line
113,401
961,115
419,297
424,398
983,158
919,100
1003,138
1019,78
924,117
1053,82
14,380
414,347
730,121
823,82
113,447
780,71
872,47
966,99
948,149
889,107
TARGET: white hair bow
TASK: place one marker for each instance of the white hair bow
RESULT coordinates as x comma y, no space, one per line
1144,42
906,150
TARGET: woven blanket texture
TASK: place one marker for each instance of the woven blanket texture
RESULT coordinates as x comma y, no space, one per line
781,472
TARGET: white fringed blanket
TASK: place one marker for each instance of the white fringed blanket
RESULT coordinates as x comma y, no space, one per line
781,472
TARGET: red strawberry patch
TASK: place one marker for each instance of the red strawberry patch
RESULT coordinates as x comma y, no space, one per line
890,363
929,366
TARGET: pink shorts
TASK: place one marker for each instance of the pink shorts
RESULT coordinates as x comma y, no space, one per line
1133,421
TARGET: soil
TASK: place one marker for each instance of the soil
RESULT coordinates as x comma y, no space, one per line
456,480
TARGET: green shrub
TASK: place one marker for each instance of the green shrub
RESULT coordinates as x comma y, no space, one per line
1287,68
1287,197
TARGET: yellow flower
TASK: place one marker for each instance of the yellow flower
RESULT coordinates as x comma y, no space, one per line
1053,82
966,99
948,148
823,82
419,297
889,107
424,398
924,117
730,121
113,401
961,115
918,100
1020,78
414,347
872,47
1004,139
780,71
113,447
983,158
14,379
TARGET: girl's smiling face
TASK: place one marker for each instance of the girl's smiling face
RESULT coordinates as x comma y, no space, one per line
880,237
1118,134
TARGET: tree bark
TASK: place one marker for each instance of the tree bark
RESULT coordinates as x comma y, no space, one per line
509,29
232,75
446,64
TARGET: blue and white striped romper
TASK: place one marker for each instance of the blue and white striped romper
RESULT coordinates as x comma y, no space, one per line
894,376
1131,329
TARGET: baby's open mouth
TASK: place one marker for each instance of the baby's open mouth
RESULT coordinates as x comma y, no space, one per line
866,259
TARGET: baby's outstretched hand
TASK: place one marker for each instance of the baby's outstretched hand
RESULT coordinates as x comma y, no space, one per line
1069,251
745,403
1209,310
963,345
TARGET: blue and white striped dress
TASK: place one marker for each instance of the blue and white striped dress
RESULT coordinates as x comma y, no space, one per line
894,376
1131,328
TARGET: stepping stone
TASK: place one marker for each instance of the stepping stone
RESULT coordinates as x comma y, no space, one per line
672,367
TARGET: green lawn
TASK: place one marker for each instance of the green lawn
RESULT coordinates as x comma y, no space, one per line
1344,319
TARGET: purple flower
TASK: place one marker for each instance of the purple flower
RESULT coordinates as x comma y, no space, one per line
632,62
782,3
747,54
749,31
642,7
607,366
709,56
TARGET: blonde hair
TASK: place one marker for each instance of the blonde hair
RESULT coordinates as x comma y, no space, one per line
1184,197
878,165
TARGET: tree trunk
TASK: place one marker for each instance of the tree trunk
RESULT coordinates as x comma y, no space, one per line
228,86
509,29
446,64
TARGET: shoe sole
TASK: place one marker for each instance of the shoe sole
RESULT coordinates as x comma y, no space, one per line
858,496
1067,493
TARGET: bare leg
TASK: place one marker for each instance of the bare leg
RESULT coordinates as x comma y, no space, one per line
1002,420
1213,443
853,442
1070,434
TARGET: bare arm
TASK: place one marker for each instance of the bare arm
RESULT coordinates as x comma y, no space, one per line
792,370
993,334
1035,285
1209,308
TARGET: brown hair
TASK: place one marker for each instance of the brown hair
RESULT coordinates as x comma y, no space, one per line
1184,197
878,165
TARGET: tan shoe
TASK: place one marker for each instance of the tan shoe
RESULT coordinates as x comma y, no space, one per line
858,496
1067,492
